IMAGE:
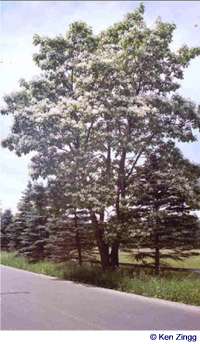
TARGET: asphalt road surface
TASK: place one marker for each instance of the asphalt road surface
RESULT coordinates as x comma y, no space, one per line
35,302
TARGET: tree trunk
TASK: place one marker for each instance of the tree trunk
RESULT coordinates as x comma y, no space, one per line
77,238
122,176
114,255
104,255
157,256
121,193
156,233
78,245
102,246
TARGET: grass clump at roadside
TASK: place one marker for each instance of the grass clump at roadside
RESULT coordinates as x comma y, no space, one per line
184,288
43,267
179,287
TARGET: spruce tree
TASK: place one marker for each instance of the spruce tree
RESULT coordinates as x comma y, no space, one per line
70,237
16,229
165,196
34,234
6,221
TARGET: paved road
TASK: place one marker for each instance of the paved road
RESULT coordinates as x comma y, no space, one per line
36,302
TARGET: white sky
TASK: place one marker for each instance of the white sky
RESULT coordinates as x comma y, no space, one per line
20,20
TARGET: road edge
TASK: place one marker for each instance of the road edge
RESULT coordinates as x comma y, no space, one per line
113,291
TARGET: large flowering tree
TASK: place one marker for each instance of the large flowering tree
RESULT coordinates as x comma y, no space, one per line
101,105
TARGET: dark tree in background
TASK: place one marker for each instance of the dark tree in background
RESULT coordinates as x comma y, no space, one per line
166,193
70,238
16,229
6,221
34,234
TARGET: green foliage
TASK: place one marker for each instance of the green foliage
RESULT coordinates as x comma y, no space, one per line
27,234
164,192
6,222
69,237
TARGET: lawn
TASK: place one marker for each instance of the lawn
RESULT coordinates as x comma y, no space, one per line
192,262
180,287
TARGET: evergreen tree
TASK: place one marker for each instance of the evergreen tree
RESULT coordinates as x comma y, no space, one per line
6,221
34,234
71,226
70,237
15,230
166,194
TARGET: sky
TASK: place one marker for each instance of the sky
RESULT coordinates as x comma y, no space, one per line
20,20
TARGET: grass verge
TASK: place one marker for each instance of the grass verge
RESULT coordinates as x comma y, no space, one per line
177,287
44,267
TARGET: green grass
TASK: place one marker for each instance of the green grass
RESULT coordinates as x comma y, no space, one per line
44,267
186,290
188,263
192,262
180,287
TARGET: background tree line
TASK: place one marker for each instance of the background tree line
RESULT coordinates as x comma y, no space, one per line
102,121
